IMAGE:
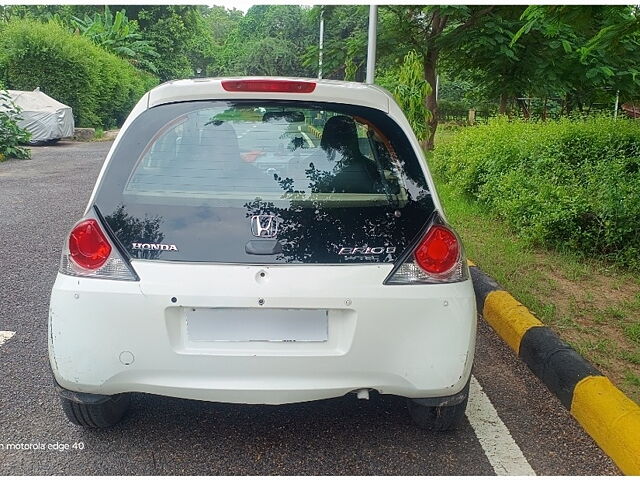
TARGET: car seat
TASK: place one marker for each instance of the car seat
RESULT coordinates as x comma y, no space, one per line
352,171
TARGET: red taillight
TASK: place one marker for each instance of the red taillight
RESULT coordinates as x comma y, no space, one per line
439,250
88,246
255,85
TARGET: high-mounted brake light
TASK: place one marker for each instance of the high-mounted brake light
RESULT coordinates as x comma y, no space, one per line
437,258
88,246
276,86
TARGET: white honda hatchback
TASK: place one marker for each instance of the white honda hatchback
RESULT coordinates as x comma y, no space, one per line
263,241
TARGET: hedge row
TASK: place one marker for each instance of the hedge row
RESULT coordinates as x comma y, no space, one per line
571,184
99,86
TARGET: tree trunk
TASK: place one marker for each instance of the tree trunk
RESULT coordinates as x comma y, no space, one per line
430,62
524,108
504,99
589,108
569,104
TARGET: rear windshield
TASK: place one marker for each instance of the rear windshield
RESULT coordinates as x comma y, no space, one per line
264,182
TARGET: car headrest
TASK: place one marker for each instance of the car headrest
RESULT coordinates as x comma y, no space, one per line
340,134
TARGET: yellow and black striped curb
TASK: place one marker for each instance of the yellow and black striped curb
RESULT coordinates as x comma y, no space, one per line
605,413
314,131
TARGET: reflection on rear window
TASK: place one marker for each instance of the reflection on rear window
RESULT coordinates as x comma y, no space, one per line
249,151
197,175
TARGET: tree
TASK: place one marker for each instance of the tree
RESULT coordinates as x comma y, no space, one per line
427,30
61,13
601,43
485,57
179,34
345,37
430,30
220,22
118,35
269,56
269,38
410,89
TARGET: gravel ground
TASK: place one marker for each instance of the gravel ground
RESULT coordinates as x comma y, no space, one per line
41,198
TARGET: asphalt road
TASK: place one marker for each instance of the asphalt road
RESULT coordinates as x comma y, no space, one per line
41,198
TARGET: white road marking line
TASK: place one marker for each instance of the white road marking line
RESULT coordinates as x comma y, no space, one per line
4,336
501,450
308,139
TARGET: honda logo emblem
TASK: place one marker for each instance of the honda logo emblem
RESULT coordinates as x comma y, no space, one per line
265,226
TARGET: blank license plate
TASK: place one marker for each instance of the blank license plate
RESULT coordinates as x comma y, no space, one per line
256,325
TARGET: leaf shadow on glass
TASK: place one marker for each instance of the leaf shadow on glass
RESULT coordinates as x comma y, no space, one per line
129,230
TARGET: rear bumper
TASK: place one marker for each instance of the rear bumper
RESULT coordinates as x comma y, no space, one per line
108,337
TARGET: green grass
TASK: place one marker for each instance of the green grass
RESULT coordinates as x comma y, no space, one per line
593,305
99,134
490,243
632,379
632,357
633,332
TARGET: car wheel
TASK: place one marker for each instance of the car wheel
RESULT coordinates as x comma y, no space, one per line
439,418
96,415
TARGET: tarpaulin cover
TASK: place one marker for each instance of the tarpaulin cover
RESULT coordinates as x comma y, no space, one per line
44,117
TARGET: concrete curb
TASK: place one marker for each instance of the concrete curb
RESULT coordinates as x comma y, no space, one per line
606,414
316,133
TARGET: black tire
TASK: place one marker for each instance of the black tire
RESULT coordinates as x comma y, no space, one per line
96,415
438,419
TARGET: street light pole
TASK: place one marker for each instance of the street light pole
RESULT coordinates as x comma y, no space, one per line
321,41
371,47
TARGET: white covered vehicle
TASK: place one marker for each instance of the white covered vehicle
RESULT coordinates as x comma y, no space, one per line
44,117
226,256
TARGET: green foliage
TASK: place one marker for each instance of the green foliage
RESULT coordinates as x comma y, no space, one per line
268,40
599,43
410,90
269,56
633,332
59,13
99,86
99,133
537,61
457,96
118,35
571,184
181,36
11,135
345,47
485,57
632,379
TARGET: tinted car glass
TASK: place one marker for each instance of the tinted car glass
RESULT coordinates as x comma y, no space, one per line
264,182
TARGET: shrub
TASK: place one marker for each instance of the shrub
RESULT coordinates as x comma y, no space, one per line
567,184
99,86
11,135
409,88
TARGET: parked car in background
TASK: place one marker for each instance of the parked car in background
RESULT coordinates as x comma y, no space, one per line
228,254
44,117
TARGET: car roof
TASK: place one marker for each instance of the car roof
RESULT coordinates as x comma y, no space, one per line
352,93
